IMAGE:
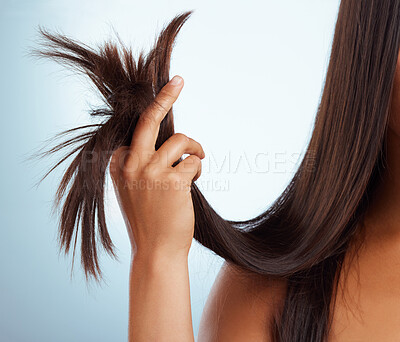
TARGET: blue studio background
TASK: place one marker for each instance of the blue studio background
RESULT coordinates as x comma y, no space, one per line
253,75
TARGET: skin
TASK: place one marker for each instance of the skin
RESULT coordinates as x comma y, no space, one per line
160,221
368,308
240,306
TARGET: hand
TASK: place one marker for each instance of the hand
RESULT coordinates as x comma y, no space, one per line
154,197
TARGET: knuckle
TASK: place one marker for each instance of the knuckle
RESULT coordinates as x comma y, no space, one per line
198,174
129,164
195,163
158,104
198,145
196,160
127,174
191,164
167,95
148,118
197,167
149,172
181,138
173,177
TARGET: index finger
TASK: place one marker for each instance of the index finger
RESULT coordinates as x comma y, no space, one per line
146,131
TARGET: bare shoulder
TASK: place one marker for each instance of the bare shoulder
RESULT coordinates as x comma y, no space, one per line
240,306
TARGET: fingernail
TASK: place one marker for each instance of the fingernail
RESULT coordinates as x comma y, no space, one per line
176,80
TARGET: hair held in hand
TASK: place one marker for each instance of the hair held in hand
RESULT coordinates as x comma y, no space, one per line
304,235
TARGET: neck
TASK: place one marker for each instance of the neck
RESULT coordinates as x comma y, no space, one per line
383,215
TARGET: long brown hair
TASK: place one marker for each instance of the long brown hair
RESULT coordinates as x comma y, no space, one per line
305,233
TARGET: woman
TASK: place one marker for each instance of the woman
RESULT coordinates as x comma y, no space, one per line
241,304
321,264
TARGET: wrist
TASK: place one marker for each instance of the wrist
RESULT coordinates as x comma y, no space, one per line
160,258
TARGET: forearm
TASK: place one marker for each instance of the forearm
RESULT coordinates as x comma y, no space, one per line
159,217
159,301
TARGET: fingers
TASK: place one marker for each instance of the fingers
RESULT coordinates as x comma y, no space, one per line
189,168
146,131
177,145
